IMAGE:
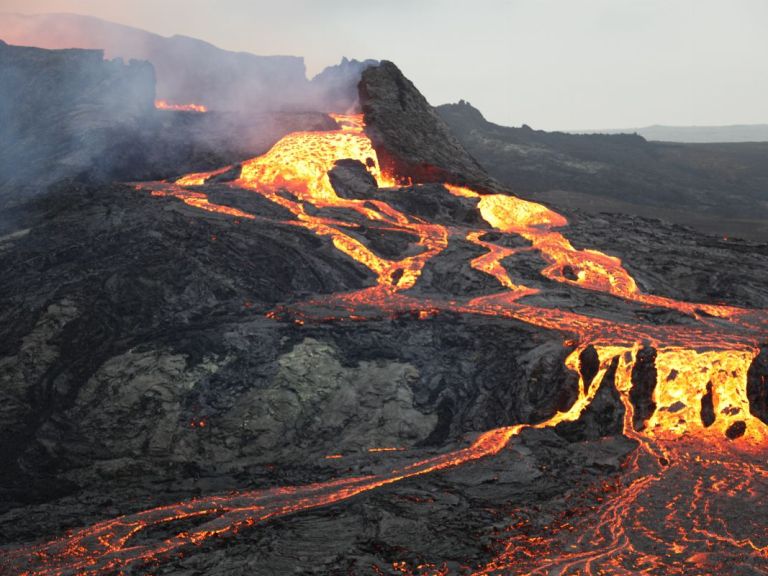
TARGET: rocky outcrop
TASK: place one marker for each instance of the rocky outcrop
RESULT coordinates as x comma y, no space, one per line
707,412
757,386
589,365
350,179
643,385
603,417
410,138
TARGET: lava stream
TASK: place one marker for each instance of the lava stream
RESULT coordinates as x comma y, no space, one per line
698,401
165,105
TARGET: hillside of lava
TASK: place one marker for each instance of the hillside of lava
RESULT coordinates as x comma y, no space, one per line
358,353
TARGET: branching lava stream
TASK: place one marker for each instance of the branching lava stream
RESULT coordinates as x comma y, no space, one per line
700,448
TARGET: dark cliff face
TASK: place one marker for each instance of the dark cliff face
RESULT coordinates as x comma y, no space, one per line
63,78
193,71
66,78
410,138
60,109
188,70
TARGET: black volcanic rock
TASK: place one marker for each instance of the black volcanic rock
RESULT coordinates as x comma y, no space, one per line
604,415
692,267
110,365
757,386
350,179
589,365
643,384
708,407
410,138
151,352
450,272
736,430
434,203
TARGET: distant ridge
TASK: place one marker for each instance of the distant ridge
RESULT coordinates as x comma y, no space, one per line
189,70
694,134
715,187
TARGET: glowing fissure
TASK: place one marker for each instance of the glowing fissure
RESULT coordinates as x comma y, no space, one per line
706,361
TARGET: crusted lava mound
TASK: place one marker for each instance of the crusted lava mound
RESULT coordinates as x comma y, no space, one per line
411,139
217,345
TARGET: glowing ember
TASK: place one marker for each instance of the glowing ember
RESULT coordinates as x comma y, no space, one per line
165,105
700,445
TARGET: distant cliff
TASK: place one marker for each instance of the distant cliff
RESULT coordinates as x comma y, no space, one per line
61,109
188,70
193,71
72,114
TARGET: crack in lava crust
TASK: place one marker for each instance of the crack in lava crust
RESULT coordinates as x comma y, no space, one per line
684,474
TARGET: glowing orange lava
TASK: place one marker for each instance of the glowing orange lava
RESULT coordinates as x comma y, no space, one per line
685,455
300,163
200,178
165,105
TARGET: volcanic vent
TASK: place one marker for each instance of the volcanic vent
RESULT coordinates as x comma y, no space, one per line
370,314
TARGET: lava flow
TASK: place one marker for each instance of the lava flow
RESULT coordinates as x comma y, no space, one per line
165,105
684,388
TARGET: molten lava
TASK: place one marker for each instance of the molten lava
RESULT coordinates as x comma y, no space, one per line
165,105
700,446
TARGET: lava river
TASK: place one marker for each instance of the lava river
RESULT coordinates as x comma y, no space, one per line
701,451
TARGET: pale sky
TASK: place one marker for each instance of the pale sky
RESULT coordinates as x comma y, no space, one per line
553,64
